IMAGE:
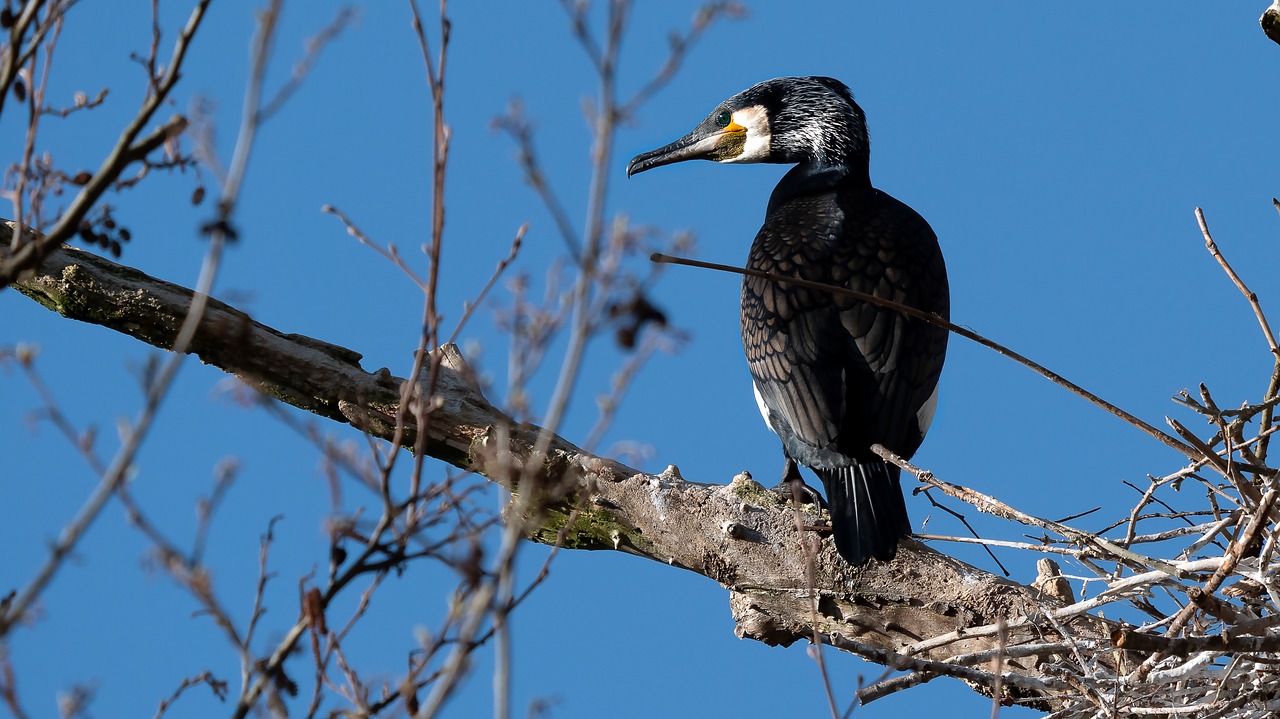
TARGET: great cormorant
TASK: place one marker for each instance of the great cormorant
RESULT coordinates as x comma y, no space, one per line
832,375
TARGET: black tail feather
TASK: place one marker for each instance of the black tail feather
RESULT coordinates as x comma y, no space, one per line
868,516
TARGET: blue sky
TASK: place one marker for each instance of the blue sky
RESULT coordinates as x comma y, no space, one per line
1058,153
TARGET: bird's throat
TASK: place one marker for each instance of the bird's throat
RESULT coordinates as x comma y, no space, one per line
811,178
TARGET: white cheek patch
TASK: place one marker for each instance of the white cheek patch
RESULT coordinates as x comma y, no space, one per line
756,121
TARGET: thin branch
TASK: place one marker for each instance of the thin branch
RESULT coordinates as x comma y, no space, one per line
521,131
122,465
904,662
993,506
128,149
1234,553
217,686
1131,640
679,47
516,243
314,48
950,327
1273,388
1249,295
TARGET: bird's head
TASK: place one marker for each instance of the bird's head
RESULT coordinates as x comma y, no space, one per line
788,119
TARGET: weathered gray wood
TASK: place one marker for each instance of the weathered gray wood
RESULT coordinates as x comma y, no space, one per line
736,534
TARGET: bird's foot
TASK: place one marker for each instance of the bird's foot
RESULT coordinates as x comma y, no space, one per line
821,528
797,491
793,488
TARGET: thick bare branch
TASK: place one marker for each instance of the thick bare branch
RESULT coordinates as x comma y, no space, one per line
737,534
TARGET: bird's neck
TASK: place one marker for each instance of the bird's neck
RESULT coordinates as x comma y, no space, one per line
812,178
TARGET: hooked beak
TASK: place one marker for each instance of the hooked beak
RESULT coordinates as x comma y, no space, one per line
701,144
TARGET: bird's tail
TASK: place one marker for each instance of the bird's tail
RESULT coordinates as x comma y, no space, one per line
868,515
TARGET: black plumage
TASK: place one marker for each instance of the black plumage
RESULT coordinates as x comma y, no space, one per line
833,375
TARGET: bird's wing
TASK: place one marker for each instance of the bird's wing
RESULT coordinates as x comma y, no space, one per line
805,397
839,373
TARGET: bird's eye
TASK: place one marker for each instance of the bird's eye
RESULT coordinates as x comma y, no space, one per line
723,118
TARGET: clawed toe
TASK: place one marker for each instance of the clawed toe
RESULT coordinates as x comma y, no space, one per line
797,491
792,488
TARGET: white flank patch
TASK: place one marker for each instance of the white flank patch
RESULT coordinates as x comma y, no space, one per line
757,147
924,417
764,411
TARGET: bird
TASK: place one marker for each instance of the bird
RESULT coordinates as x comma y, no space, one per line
832,375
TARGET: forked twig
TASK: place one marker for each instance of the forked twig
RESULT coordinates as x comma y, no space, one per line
128,149
1239,283
1273,388
993,506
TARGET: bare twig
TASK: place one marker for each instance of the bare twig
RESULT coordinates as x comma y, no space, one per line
128,149
1249,295
905,662
122,464
1273,388
993,506
314,49
954,328
1234,553
217,686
